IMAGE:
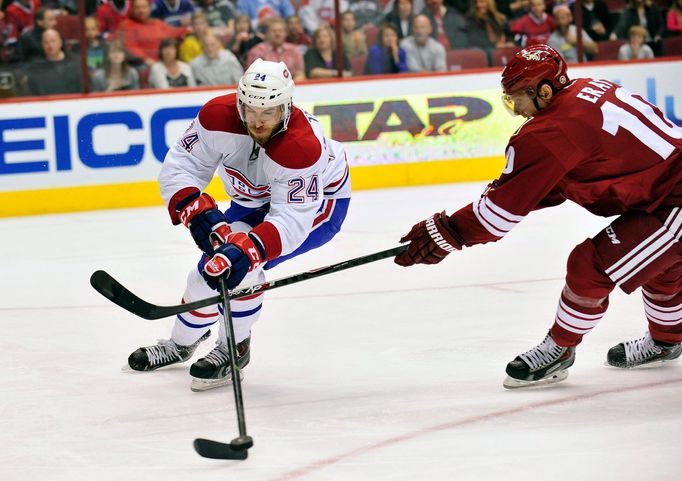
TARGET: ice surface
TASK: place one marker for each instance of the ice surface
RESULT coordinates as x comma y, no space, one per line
377,373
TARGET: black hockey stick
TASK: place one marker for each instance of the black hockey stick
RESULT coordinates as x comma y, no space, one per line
238,447
119,295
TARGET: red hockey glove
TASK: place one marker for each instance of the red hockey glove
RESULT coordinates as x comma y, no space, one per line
430,241
200,214
233,260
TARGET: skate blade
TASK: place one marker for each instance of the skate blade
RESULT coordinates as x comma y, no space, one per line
511,383
646,365
201,385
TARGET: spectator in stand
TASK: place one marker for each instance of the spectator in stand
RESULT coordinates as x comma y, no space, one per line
19,17
96,47
170,71
448,25
275,49
320,58
488,28
176,13
244,38
58,72
535,27
674,19
216,66
564,38
596,19
386,56
296,34
142,34
648,15
401,16
354,41
220,15
110,14
316,12
30,42
424,54
636,48
116,74
367,12
259,11
191,46
513,9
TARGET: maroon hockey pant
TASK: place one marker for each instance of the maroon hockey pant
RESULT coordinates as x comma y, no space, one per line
636,250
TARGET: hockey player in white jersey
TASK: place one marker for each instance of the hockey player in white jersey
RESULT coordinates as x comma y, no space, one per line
289,188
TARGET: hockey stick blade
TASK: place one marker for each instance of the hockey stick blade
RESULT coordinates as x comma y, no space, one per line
215,450
113,290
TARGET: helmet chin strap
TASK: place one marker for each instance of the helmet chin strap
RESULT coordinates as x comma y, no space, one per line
535,102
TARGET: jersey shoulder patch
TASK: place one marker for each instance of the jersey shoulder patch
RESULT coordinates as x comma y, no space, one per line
220,115
298,147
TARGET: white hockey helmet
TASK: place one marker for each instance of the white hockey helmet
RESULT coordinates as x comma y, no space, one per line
266,84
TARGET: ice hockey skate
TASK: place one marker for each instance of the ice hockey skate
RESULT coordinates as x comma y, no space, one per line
547,363
214,370
162,354
642,351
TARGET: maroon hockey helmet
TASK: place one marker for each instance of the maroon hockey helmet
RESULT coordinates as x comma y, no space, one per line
531,66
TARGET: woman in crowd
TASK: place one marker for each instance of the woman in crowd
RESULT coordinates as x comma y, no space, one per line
401,16
354,41
487,26
117,74
170,71
320,58
386,56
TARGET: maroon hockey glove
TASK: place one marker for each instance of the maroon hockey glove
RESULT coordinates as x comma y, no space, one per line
430,241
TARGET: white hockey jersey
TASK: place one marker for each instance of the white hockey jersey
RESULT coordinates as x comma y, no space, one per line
294,171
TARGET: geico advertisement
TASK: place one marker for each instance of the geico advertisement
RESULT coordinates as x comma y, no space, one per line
110,140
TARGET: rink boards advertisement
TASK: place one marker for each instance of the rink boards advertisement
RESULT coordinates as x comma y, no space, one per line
90,152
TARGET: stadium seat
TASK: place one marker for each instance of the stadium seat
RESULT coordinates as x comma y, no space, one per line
371,35
616,5
464,58
69,27
672,46
357,64
144,72
500,56
608,49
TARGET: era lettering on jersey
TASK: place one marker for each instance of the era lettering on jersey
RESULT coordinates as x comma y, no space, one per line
593,94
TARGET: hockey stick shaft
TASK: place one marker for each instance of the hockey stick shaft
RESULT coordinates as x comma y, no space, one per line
113,290
232,344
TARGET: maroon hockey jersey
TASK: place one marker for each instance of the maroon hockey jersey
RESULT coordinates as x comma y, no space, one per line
596,144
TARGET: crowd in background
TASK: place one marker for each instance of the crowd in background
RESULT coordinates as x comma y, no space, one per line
161,44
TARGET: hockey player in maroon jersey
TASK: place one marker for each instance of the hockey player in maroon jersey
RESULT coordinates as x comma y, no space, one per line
595,143
289,188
